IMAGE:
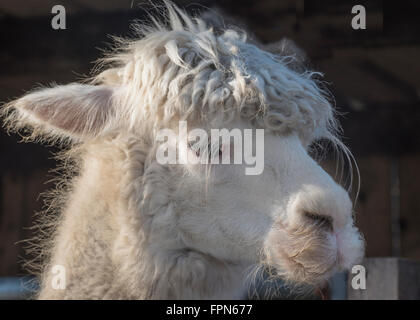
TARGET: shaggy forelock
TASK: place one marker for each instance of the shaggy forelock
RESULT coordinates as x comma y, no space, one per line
186,70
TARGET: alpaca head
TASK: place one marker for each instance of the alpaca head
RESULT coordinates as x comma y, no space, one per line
289,213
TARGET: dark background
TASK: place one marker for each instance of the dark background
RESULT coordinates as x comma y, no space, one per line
373,73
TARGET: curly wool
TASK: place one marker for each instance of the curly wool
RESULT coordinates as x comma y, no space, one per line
186,70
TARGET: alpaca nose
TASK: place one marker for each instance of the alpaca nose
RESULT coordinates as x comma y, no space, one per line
319,220
327,208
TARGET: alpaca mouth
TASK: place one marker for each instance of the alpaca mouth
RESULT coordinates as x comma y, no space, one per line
311,271
309,259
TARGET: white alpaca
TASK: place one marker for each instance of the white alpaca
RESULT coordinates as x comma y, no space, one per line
131,228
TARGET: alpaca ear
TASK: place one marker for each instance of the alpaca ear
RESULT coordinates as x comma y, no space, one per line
75,111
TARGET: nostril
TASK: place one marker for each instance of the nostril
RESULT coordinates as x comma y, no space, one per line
320,220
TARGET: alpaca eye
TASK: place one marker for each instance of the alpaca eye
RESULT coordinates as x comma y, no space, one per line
215,150
316,149
194,147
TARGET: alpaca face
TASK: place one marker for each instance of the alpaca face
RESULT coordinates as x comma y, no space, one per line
293,216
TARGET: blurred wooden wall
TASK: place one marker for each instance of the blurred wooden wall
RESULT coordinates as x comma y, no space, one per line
19,200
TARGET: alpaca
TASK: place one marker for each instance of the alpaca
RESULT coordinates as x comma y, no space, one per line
124,226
